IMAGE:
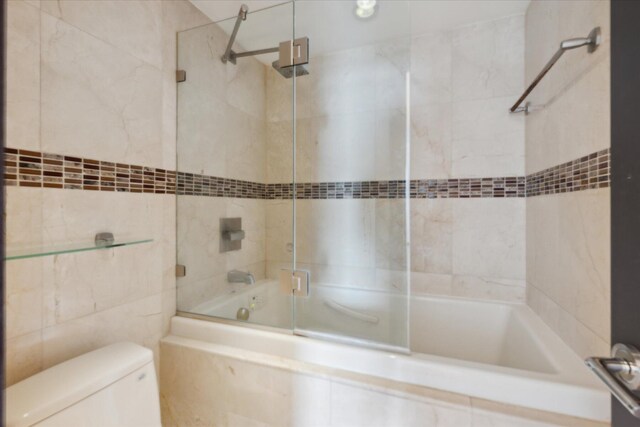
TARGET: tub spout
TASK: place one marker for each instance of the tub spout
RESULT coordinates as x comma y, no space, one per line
237,276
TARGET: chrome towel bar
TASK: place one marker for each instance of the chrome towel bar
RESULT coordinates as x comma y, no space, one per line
592,41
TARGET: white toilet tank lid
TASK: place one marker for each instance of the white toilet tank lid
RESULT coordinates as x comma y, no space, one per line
63,385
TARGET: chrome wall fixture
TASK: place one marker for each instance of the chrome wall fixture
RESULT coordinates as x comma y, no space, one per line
592,41
293,54
229,55
231,234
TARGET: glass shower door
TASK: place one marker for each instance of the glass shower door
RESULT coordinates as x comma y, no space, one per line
234,167
291,207
351,145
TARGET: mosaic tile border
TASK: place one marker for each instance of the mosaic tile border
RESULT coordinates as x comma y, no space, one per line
418,189
28,168
211,186
588,172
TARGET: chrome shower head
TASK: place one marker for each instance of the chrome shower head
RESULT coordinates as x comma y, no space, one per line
287,72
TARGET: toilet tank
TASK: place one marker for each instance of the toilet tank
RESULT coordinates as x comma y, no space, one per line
113,386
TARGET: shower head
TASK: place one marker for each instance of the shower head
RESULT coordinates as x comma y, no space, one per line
287,72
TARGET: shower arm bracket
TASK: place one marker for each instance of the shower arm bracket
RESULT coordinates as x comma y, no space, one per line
292,52
229,55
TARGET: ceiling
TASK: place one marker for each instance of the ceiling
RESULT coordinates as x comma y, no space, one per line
218,10
332,25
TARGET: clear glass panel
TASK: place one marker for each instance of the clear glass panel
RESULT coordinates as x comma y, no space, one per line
70,247
230,144
351,151
315,165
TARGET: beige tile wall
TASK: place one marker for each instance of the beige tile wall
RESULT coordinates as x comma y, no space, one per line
221,132
199,246
568,249
352,126
221,109
86,79
463,81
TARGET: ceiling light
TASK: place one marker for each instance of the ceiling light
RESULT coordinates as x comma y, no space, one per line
365,8
366,4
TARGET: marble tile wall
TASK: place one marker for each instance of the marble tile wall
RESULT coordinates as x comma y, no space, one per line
86,79
352,126
461,82
217,97
568,249
221,132
347,128
468,248
198,243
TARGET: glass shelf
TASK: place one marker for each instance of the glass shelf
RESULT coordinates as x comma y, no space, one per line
35,251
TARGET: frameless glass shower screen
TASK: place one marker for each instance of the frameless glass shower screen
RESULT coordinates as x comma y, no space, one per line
351,152
297,168
223,157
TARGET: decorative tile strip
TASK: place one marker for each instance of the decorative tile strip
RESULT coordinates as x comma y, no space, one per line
464,188
592,171
418,189
338,190
211,186
27,168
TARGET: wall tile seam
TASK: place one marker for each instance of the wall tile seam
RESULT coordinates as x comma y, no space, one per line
95,37
45,326
564,309
27,168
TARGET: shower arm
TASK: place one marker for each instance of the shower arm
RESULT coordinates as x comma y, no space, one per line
235,55
592,41
229,55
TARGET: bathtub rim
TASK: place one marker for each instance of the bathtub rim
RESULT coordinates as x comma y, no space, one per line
348,340
538,330
362,343
516,387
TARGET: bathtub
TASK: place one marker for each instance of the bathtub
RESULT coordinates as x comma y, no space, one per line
489,350
365,317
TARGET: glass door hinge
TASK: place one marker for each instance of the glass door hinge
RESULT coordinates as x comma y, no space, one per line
294,282
294,52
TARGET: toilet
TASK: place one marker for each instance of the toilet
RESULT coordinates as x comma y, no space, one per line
112,386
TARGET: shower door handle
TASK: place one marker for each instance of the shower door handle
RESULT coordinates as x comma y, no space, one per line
621,374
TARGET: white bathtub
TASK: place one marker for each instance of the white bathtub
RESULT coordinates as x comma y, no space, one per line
319,314
495,351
